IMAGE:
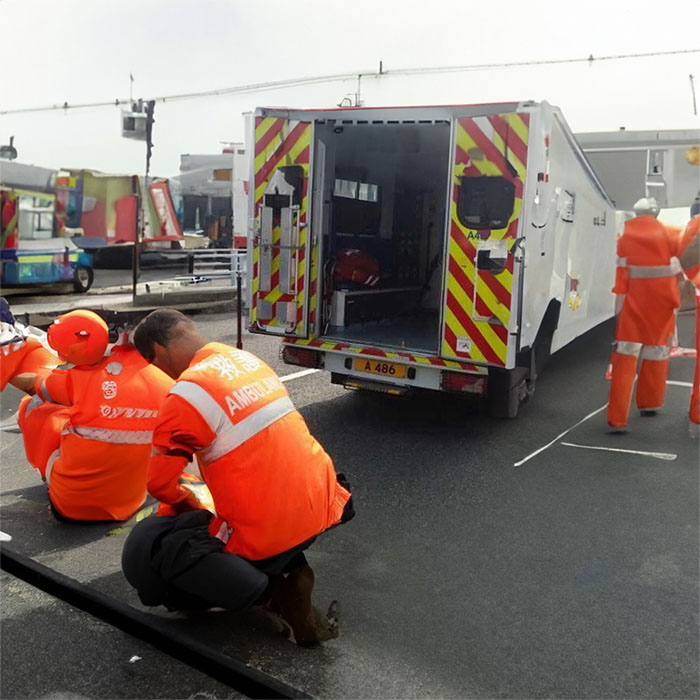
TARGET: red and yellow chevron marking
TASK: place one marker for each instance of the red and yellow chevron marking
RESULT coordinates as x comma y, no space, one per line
420,360
280,142
478,302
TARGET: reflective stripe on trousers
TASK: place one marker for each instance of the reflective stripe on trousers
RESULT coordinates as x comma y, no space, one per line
624,347
49,465
648,352
111,435
656,352
229,435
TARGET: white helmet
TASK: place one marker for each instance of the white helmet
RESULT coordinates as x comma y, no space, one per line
646,206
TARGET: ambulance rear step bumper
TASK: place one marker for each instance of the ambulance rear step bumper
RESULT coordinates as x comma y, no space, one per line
349,382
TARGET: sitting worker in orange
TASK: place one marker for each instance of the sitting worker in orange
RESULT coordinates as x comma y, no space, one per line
88,429
273,486
22,355
689,251
647,277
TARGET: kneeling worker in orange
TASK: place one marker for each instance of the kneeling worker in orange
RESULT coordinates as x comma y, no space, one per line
273,486
690,262
22,355
88,429
647,277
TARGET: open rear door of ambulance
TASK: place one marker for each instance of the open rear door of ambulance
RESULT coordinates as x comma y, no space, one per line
489,161
279,206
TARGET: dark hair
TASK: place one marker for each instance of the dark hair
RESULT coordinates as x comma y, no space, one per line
160,326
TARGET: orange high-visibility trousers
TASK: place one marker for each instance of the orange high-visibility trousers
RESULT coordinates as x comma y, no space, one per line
41,424
651,382
690,261
695,393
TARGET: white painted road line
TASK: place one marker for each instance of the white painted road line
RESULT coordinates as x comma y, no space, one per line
4,537
296,375
10,423
673,382
561,435
658,455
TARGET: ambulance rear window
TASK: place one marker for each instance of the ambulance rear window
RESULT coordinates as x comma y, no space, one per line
485,202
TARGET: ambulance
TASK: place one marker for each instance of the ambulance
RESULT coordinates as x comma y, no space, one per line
444,248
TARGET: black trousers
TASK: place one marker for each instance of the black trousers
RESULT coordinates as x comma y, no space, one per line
174,561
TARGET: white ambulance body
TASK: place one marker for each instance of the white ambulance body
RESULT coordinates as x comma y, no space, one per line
447,248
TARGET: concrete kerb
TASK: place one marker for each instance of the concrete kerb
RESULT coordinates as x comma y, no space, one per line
42,314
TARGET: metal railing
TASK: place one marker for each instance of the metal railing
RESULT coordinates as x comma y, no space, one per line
221,265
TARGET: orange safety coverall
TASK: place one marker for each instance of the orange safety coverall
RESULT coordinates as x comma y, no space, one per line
646,275
273,485
88,431
24,355
689,253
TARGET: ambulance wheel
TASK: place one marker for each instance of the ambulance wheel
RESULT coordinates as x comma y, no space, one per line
82,278
506,391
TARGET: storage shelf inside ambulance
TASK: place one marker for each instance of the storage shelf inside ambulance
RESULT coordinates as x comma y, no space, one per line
383,233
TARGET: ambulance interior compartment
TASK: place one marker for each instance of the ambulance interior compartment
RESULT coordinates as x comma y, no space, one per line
384,188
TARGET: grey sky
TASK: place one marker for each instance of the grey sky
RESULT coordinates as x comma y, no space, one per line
83,50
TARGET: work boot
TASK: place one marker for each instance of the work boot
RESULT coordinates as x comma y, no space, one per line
290,598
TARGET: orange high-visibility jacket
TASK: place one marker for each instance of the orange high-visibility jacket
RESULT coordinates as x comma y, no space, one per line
273,485
689,250
646,274
99,472
24,355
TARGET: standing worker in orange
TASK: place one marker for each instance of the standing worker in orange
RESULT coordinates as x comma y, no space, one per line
689,251
647,277
88,429
273,486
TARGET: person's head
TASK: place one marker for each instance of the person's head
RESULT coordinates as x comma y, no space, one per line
79,337
695,207
646,206
169,340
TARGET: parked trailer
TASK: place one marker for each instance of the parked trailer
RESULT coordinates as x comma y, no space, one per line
30,253
446,248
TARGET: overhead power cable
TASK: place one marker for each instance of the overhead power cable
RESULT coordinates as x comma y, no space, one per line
295,82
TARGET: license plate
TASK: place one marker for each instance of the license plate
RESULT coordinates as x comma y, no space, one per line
386,369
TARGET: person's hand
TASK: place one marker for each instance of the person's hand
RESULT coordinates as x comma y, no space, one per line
24,382
198,495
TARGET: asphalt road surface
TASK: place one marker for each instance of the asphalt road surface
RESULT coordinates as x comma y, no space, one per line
537,557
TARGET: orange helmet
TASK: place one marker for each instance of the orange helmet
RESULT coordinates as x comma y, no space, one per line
79,337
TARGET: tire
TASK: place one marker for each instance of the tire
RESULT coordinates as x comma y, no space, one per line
82,278
506,390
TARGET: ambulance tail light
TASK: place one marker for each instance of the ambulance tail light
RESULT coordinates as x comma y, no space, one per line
302,357
463,383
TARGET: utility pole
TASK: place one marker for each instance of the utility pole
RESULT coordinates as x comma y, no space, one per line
692,89
140,230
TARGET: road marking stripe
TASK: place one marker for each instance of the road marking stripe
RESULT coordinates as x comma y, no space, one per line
296,375
11,423
673,382
561,435
658,455
4,537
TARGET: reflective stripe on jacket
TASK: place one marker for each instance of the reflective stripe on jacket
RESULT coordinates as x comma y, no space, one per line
272,483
